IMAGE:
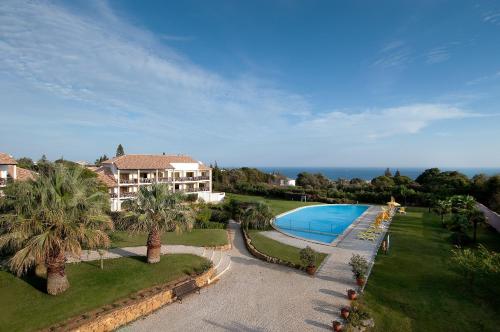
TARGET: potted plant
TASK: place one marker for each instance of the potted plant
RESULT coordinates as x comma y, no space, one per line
344,312
308,259
336,326
359,266
351,294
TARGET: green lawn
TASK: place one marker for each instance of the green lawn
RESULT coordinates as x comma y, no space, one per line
279,250
196,237
414,288
277,205
24,305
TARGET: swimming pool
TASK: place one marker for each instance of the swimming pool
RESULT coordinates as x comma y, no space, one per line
323,223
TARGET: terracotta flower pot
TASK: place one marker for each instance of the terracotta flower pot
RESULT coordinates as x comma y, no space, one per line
311,270
360,281
336,326
351,294
344,312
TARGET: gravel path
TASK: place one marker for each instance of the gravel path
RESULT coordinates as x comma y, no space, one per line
258,296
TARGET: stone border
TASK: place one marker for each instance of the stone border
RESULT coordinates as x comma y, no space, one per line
121,312
339,237
257,254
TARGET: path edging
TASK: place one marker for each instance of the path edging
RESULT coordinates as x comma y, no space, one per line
124,311
257,254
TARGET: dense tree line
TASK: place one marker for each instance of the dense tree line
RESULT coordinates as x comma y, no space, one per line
429,187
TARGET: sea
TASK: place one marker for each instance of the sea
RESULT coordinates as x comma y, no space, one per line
368,173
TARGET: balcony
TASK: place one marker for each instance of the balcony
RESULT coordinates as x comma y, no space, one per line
147,180
191,190
191,178
128,181
165,180
123,195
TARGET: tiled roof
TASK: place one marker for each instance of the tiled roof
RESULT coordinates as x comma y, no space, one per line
22,174
106,176
6,159
142,161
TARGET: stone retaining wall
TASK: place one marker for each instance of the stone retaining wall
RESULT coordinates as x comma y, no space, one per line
113,316
264,257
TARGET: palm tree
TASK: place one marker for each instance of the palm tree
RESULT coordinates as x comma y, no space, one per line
156,210
476,217
467,206
442,208
53,216
257,215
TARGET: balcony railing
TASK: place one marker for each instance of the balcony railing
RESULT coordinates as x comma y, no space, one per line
191,178
134,194
128,181
148,180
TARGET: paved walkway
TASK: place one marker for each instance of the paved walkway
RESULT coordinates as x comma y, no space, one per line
257,296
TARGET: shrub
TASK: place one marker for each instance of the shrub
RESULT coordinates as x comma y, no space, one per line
210,225
308,256
358,316
220,216
359,266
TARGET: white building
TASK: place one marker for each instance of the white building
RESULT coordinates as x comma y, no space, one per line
10,172
287,182
125,174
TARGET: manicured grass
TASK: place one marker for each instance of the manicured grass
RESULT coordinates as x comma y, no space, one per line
415,288
277,205
196,237
279,250
24,305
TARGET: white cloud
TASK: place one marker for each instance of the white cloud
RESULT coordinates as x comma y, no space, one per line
376,124
393,54
437,55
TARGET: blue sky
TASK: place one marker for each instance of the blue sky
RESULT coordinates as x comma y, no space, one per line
267,83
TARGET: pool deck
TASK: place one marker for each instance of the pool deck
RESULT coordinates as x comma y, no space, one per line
258,296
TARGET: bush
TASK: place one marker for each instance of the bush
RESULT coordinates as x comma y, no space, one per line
220,216
210,225
359,266
308,256
358,316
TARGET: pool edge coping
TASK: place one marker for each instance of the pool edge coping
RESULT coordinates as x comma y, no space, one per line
338,239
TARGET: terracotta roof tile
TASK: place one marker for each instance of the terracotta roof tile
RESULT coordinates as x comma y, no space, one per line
141,161
106,176
6,159
22,174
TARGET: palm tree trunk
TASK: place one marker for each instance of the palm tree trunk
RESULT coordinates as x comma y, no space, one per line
475,232
154,246
57,281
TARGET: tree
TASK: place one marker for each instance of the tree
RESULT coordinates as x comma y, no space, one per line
442,208
257,216
383,182
120,151
388,172
98,161
50,217
475,217
475,264
156,210
397,174
26,163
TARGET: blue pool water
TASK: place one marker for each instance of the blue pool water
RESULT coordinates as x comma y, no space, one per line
320,223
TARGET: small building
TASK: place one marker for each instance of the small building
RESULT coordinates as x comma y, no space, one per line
124,175
9,171
287,182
